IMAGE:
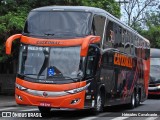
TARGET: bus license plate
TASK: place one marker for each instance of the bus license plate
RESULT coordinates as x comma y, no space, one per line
45,104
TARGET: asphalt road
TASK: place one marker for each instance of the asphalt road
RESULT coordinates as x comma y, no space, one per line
148,110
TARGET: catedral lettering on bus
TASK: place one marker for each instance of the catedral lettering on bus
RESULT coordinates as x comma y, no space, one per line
79,57
122,60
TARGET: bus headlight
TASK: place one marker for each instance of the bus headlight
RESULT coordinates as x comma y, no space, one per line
158,86
78,89
20,87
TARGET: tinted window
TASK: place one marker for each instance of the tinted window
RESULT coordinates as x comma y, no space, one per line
126,41
109,35
91,59
98,25
57,24
132,44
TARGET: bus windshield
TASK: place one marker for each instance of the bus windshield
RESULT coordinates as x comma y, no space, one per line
155,69
50,64
57,24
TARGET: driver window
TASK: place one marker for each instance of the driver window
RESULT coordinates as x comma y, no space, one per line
90,62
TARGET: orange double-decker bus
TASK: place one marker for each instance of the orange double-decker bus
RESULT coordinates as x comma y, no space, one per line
79,57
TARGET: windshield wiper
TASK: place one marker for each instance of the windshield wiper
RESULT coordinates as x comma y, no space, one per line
49,34
29,75
45,63
80,74
74,79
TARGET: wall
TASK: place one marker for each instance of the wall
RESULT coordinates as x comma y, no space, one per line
7,84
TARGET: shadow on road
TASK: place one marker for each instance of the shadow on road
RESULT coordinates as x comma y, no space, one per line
154,97
77,114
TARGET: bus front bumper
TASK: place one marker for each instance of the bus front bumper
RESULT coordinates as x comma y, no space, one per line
73,101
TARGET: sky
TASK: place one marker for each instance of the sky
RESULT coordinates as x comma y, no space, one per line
148,9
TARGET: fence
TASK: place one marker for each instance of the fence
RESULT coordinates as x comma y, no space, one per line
7,84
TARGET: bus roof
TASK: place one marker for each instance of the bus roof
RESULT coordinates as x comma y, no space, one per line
92,10
69,8
155,53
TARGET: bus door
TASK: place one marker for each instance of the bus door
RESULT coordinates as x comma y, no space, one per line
92,72
108,76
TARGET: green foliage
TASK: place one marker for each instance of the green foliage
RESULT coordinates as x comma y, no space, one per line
153,31
152,35
12,21
153,19
109,5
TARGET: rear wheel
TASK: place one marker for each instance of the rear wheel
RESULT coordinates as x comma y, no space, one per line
132,103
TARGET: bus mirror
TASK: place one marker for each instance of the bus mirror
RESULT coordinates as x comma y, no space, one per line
9,42
87,41
95,39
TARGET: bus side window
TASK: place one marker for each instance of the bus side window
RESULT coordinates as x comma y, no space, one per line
123,39
127,43
137,46
109,36
98,25
90,62
132,44
119,39
117,35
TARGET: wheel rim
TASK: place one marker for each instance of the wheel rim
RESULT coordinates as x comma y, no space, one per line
99,103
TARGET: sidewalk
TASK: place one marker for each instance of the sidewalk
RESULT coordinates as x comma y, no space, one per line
7,100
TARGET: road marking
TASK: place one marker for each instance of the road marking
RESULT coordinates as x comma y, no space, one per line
35,109
17,109
91,118
2,109
151,118
119,118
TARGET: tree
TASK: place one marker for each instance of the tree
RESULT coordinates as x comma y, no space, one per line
153,31
152,19
109,5
134,10
12,21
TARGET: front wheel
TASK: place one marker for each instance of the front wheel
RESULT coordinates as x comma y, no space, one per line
99,104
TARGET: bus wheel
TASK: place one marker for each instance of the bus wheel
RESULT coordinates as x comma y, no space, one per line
44,110
132,103
137,96
99,105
